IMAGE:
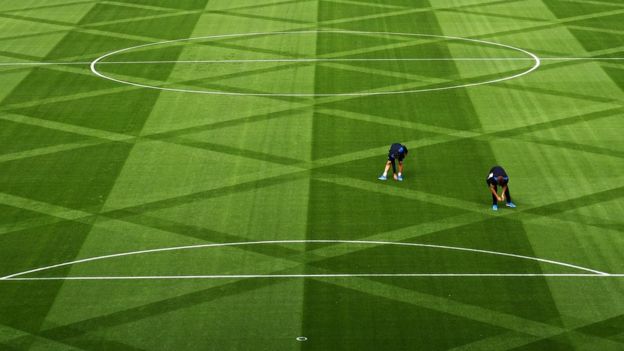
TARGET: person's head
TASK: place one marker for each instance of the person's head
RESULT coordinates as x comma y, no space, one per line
501,180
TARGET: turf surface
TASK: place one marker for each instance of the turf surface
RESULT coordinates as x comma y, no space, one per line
92,167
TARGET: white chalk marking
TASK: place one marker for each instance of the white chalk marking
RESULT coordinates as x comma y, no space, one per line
274,242
313,60
41,63
337,275
583,58
97,61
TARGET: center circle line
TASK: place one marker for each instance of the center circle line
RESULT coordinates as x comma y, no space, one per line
532,56
324,60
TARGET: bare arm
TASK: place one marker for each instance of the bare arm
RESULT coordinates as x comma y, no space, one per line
493,190
503,192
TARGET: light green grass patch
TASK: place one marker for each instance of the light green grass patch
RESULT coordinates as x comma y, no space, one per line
505,109
177,111
71,13
176,170
211,24
274,212
12,27
28,4
272,311
36,47
284,137
454,23
559,171
10,80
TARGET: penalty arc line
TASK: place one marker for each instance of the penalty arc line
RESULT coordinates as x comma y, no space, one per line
279,242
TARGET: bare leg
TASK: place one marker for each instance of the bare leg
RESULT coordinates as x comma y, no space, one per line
385,173
494,198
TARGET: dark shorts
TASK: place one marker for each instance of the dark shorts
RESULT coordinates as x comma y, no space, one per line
392,158
394,154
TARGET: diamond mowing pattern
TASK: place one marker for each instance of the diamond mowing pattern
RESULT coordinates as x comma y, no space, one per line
94,324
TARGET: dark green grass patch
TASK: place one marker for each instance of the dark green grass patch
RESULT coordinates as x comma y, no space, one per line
329,10
47,245
418,22
171,4
594,41
19,137
89,46
337,43
152,27
43,83
390,259
529,298
567,9
331,80
10,215
339,212
338,318
79,178
112,112
612,22
113,12
428,108
342,136
617,75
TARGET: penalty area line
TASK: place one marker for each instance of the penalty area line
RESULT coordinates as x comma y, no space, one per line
337,275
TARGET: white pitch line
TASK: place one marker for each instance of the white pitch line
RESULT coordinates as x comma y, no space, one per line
41,63
360,60
328,60
583,58
102,58
336,275
425,59
279,242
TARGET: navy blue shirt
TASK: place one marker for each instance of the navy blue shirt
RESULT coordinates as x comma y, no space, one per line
495,172
397,151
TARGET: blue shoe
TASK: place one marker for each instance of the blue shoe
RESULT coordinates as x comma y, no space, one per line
400,178
494,207
382,177
511,204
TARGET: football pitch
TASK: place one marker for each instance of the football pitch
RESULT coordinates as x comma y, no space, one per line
202,175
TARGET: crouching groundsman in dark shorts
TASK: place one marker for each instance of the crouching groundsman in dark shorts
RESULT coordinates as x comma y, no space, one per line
497,176
397,152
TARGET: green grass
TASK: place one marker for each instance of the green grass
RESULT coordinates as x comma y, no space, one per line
90,167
